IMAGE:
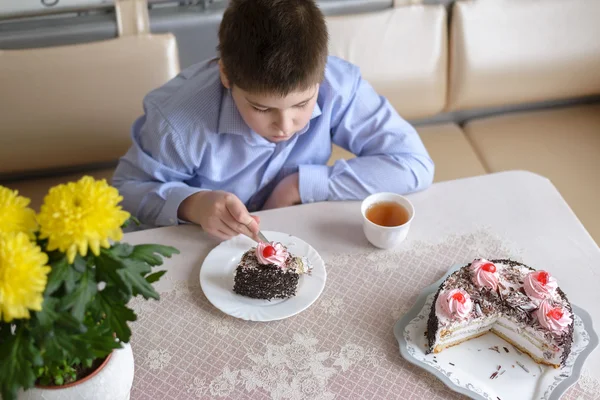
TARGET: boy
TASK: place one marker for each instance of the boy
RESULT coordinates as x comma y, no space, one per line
253,129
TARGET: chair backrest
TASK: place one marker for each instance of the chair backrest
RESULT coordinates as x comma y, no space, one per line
74,105
402,52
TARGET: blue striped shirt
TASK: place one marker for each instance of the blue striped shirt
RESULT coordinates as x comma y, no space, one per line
192,137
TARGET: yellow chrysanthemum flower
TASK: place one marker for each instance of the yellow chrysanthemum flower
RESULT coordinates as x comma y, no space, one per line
23,276
81,215
15,216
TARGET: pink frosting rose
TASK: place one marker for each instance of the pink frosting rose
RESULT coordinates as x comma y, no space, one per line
539,285
455,304
272,253
555,319
484,274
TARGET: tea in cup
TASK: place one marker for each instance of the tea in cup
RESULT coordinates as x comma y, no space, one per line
386,219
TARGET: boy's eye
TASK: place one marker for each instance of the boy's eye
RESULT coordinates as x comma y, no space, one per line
265,110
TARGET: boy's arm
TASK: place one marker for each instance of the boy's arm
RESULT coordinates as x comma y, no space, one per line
390,154
151,176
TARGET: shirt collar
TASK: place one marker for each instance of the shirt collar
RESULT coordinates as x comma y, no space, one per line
231,121
317,110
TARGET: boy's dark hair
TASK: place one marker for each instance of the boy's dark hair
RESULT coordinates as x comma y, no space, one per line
273,46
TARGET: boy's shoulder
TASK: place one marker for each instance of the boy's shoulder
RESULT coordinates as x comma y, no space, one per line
341,76
195,93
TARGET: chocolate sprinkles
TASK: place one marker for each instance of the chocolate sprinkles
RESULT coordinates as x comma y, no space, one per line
522,366
264,281
510,301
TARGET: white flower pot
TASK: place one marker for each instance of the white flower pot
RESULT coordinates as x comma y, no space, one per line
111,382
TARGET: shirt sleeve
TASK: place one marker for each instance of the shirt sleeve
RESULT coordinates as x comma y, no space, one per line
390,154
151,176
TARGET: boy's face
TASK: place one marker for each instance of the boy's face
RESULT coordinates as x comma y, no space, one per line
273,117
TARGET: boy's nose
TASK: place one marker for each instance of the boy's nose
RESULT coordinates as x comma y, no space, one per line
285,125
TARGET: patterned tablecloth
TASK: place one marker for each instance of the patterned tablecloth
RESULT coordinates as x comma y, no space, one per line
343,345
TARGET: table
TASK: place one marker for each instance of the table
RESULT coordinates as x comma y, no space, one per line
343,345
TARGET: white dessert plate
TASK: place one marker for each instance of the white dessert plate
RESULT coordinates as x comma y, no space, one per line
217,273
488,367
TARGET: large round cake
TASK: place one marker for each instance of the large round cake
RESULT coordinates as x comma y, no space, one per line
521,305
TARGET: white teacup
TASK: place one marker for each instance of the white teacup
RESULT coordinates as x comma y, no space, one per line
386,237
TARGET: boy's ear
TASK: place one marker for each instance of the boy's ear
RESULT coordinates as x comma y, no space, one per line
223,76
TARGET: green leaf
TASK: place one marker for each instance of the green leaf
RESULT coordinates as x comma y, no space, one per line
48,315
130,220
70,323
5,332
80,264
140,266
54,255
63,348
72,280
19,358
121,250
59,373
73,345
106,271
57,346
58,274
99,341
148,253
63,272
128,274
96,308
43,376
133,276
155,276
77,301
117,315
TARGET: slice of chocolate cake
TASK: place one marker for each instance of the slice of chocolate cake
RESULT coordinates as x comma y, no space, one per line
268,271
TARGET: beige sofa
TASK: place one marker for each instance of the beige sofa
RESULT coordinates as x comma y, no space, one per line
502,84
496,60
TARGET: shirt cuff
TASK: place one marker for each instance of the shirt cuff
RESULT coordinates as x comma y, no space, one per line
168,214
314,183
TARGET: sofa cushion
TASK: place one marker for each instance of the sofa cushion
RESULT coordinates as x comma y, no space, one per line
451,152
562,145
36,189
339,153
512,52
74,105
448,147
402,52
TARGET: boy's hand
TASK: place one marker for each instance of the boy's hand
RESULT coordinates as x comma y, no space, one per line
220,213
286,193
